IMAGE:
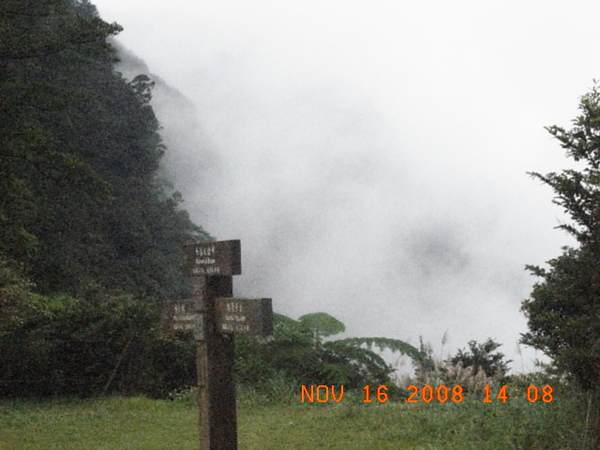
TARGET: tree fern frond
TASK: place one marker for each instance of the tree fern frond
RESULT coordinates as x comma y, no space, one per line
395,345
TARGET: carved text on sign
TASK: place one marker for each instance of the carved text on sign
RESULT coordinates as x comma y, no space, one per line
213,258
245,315
181,315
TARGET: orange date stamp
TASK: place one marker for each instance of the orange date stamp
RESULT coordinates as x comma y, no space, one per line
427,394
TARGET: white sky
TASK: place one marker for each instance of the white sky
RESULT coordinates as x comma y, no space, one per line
372,156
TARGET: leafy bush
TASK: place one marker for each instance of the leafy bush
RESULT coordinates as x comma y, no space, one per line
100,343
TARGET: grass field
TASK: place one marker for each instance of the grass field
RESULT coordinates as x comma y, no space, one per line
141,423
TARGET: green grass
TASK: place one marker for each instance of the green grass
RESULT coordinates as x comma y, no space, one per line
141,423
469,425
114,423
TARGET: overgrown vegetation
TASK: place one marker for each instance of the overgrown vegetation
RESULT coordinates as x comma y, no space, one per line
81,200
303,352
472,369
90,234
94,344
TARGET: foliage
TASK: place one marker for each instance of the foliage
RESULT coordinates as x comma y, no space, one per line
32,29
300,355
90,234
80,198
563,314
17,302
482,357
563,307
319,325
97,344
427,363
472,369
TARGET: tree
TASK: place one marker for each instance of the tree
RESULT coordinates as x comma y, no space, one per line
563,309
33,28
482,357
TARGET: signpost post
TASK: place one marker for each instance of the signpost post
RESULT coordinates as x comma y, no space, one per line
214,316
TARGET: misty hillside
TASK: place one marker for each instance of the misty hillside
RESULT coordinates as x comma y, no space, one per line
84,201
186,141
91,229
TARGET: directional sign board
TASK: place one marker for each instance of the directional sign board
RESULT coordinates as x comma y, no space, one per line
213,258
244,315
182,315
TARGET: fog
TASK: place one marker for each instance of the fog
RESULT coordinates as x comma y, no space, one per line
372,156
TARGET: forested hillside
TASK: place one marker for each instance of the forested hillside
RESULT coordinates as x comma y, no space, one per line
90,234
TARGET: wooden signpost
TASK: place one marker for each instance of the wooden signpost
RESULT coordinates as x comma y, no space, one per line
214,316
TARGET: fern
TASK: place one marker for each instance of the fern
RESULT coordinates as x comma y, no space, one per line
382,344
